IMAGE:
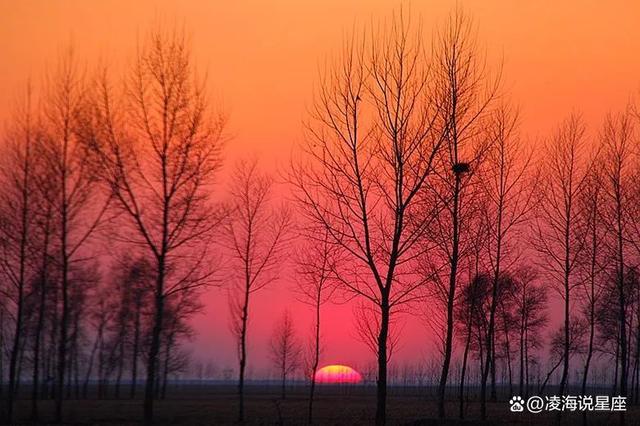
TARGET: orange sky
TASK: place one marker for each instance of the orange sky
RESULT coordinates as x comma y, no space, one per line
262,58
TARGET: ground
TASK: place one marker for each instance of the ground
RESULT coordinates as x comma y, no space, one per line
217,405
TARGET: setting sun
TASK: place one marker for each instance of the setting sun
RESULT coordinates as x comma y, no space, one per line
337,373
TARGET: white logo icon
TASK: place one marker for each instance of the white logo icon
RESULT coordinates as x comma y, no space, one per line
517,404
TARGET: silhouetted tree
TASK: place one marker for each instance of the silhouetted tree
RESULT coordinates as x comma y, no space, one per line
46,278
157,150
595,254
315,267
465,93
44,282
176,329
256,236
100,316
286,351
18,225
557,239
120,329
370,148
471,316
134,278
78,208
617,138
367,329
558,347
529,307
633,211
508,188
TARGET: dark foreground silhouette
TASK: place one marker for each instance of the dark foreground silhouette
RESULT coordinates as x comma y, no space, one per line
355,405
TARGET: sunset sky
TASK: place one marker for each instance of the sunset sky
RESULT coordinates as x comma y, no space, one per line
263,58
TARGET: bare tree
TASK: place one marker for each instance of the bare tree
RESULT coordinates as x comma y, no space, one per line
608,321
466,95
98,319
132,282
510,198
135,275
120,335
315,266
26,229
256,236
286,351
470,314
78,208
558,347
633,209
45,282
529,305
471,301
177,329
46,269
367,329
556,237
617,139
157,149
505,329
370,147
594,256
18,224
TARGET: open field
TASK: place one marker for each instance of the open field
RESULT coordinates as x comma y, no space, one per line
216,405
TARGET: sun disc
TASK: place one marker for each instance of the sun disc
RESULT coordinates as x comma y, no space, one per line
337,373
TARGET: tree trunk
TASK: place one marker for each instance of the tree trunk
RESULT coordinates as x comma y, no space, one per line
38,334
464,369
85,388
62,344
615,373
587,363
623,342
546,380
120,367
64,252
381,395
243,354
450,300
154,348
316,360
102,367
76,376
490,343
522,379
17,337
165,377
283,384
493,396
526,363
567,337
51,361
165,374
21,357
24,235
136,343
507,348
636,373
73,355
1,346
621,298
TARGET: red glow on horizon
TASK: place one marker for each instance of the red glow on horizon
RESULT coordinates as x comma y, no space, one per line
337,374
